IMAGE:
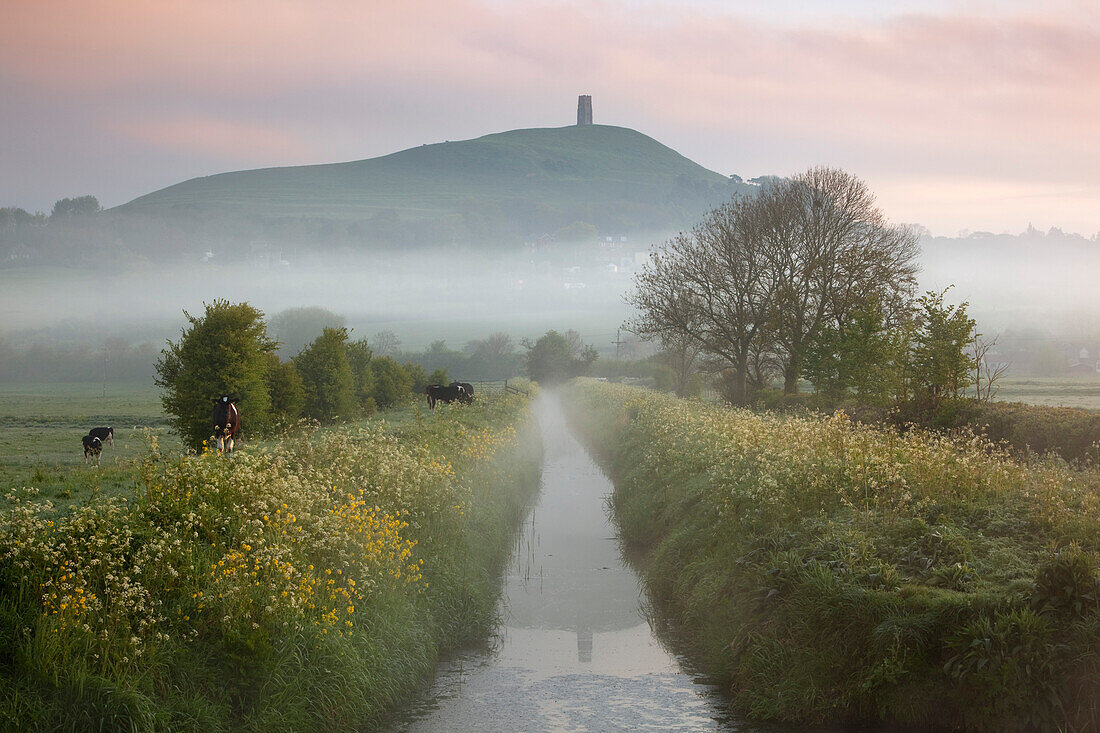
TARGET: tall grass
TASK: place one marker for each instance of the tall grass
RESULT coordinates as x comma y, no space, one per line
307,585
827,570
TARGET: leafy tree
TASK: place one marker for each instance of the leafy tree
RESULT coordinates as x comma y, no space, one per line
223,352
862,356
418,376
439,376
835,254
296,328
392,382
327,377
288,395
493,357
557,357
359,358
940,362
79,206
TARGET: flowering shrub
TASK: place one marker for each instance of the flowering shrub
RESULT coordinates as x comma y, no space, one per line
828,569
220,572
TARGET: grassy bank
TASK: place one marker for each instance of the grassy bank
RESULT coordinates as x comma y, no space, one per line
826,570
305,584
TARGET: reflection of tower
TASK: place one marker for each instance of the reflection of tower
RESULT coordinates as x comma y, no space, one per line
584,645
584,109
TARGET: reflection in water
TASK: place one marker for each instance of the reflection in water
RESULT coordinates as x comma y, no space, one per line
584,645
575,652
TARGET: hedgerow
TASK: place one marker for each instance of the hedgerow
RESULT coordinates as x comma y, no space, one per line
307,585
830,570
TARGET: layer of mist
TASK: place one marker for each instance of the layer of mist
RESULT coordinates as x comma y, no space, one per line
115,320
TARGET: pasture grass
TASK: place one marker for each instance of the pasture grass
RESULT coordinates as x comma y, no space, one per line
305,583
41,425
825,570
1080,392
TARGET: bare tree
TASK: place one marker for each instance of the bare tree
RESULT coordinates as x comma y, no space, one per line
711,288
985,372
384,343
837,253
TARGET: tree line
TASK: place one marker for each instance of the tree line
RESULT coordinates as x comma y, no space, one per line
229,350
804,280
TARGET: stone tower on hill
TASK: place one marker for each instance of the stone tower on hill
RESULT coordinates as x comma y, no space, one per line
584,109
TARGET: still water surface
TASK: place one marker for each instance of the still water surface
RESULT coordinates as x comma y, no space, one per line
574,652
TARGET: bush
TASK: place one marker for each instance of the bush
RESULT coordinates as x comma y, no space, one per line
327,377
223,352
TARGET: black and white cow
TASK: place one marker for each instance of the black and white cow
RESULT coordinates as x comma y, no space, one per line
467,396
439,393
93,446
106,435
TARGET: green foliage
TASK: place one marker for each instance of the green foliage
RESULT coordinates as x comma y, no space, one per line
306,586
327,377
418,376
359,357
1068,581
941,366
392,382
920,565
555,357
223,352
288,395
864,358
439,376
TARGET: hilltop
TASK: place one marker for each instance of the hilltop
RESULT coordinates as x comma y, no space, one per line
499,187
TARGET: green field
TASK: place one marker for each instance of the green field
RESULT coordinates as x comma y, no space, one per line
41,426
1082,392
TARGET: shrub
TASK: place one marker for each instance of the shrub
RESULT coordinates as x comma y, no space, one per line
223,352
327,377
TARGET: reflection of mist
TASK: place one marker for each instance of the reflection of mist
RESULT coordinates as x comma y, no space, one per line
584,645
567,573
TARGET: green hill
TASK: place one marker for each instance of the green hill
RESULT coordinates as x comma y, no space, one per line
501,186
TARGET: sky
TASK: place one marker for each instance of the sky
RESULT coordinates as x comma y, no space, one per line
960,114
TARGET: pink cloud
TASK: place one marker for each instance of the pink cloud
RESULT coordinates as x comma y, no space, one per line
968,94
244,143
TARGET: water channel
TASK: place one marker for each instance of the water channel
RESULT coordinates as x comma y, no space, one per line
575,652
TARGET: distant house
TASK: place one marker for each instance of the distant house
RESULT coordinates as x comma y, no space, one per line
542,243
1084,359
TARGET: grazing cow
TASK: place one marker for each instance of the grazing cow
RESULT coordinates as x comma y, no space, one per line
107,435
439,393
93,446
227,422
467,396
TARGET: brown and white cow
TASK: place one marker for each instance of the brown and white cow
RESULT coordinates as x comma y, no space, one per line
227,422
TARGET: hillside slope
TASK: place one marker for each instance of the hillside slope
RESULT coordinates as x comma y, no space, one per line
507,184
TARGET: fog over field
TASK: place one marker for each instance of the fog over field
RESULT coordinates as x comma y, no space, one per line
1043,282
